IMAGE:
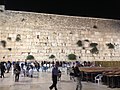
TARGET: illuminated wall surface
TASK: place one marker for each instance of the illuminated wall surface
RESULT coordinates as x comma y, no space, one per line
46,34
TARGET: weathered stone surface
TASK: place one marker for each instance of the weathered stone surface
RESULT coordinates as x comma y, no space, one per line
45,34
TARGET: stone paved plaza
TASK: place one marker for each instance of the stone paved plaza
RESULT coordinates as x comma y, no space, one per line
43,83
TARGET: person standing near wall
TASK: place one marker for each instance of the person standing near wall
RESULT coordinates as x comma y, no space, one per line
54,77
17,70
2,68
8,66
78,76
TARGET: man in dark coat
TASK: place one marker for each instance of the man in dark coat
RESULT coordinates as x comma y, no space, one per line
17,70
2,68
54,77
78,76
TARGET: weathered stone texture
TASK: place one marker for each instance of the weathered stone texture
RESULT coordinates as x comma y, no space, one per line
45,34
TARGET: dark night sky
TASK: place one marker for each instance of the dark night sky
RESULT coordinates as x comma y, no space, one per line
90,8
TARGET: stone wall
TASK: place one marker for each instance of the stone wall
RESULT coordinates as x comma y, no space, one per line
46,34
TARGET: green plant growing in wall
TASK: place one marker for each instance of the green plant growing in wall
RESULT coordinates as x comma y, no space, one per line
94,49
72,57
52,56
30,57
18,38
3,43
110,46
79,43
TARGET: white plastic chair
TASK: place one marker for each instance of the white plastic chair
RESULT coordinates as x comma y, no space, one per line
98,78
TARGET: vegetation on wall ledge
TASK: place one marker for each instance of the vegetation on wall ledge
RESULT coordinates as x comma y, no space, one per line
3,43
52,56
18,38
110,45
94,49
30,57
72,57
